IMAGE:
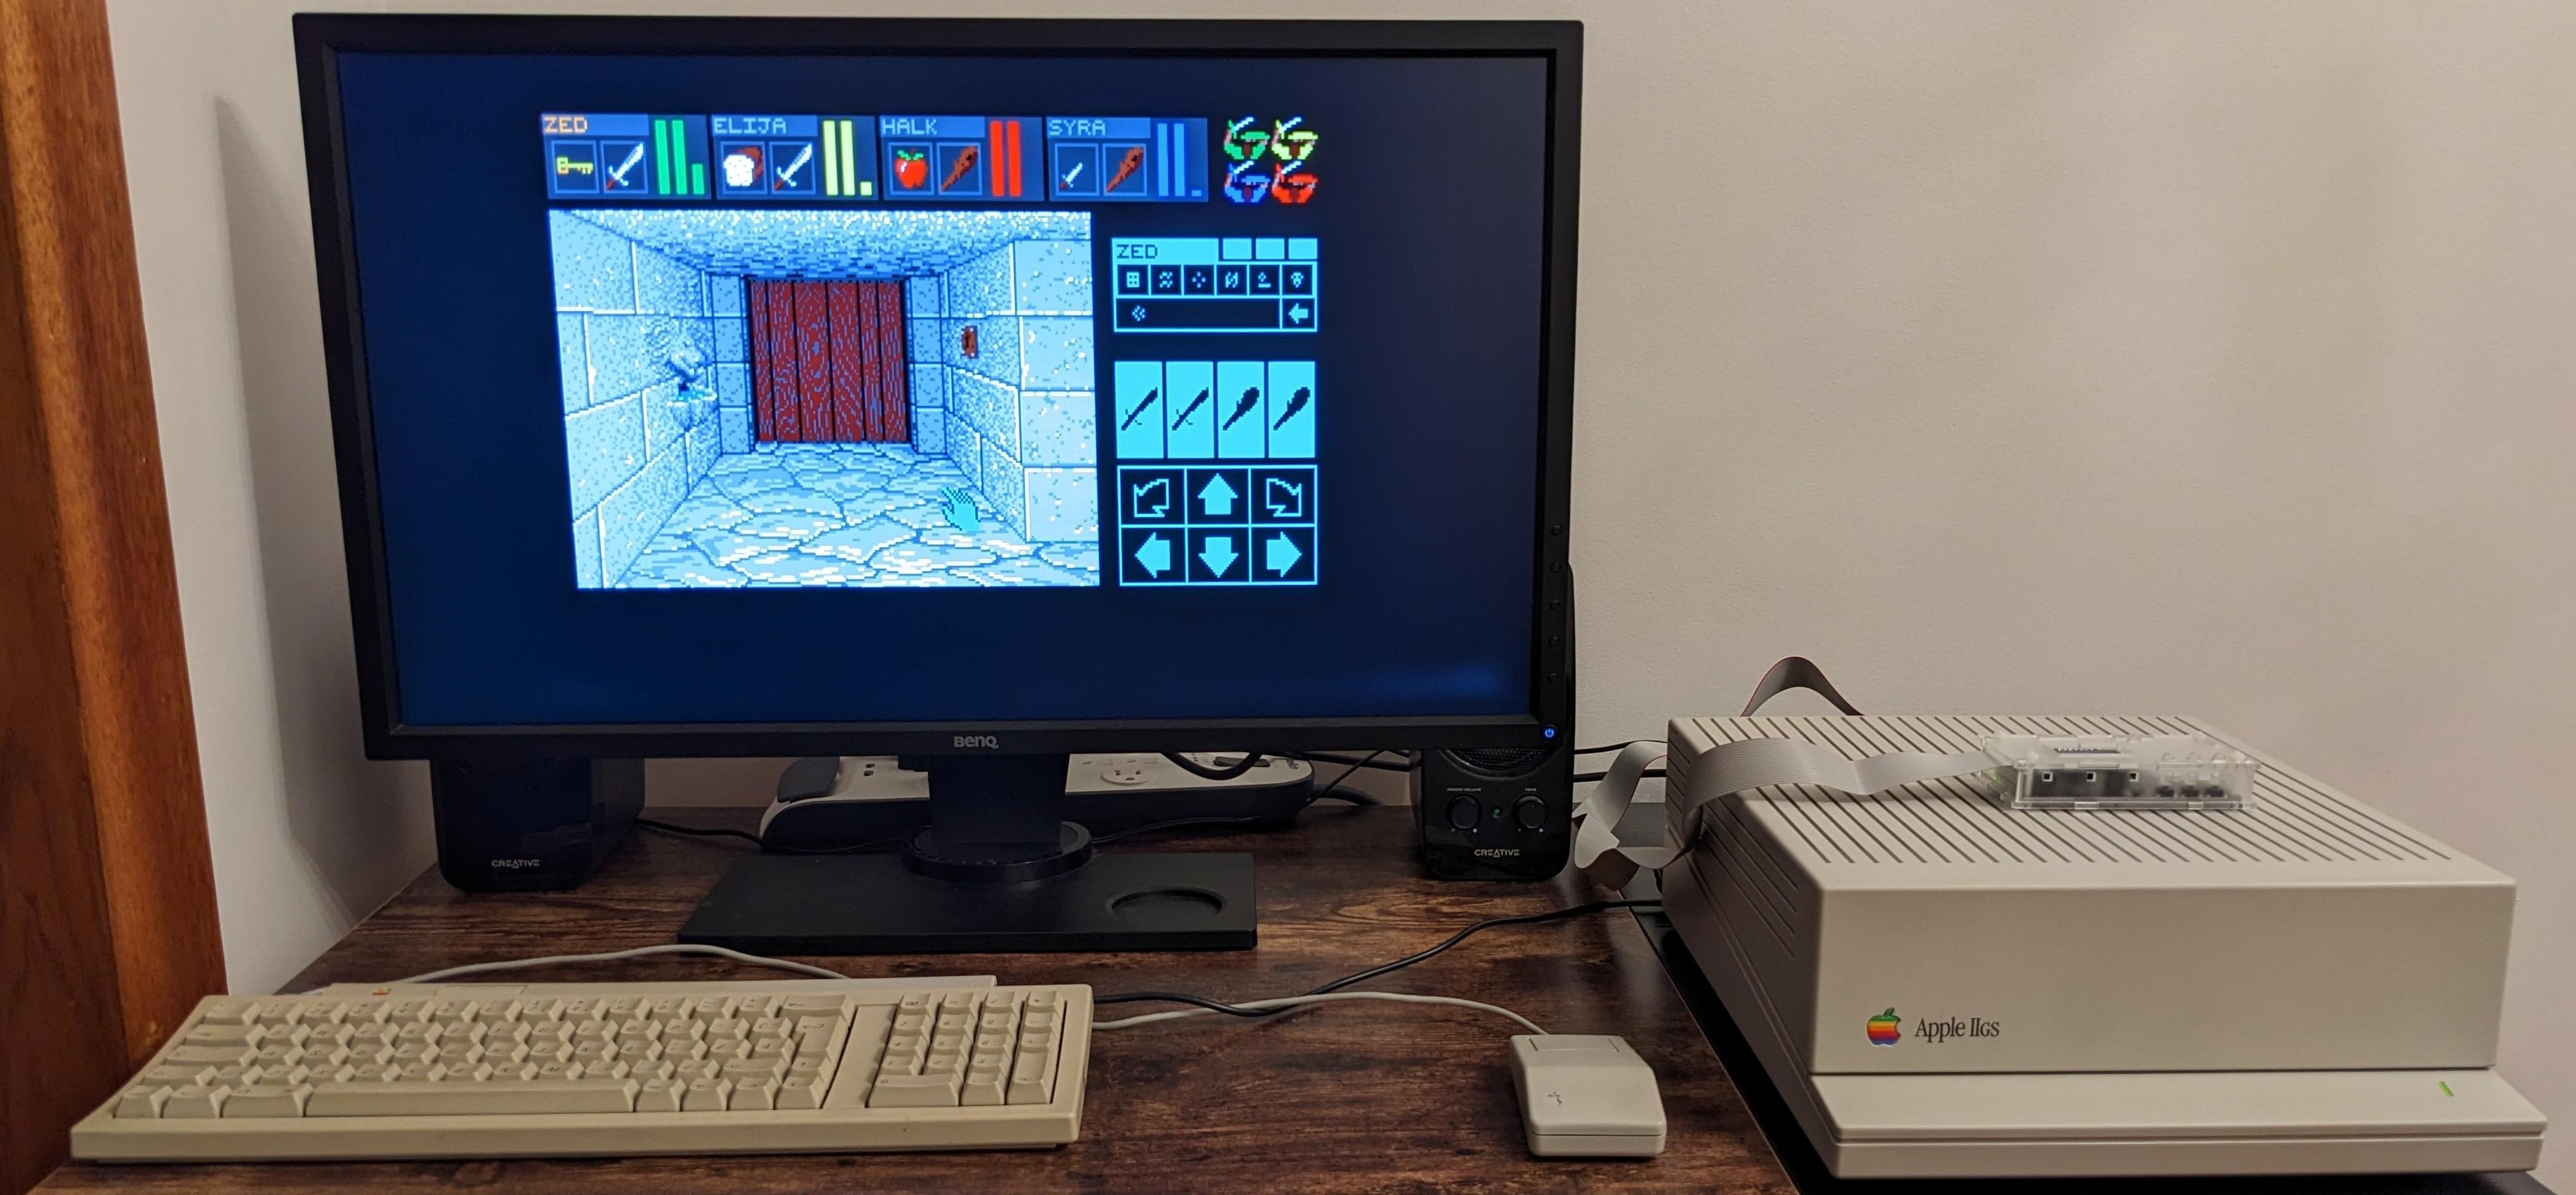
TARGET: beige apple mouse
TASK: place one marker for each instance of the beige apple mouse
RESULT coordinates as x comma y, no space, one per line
1586,1096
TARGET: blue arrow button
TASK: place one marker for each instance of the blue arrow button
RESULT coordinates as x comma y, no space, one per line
1280,554
1216,497
1218,554
1155,554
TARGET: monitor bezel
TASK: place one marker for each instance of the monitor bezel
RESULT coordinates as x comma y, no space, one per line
320,37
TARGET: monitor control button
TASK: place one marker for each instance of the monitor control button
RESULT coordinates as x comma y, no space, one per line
1529,813
1463,812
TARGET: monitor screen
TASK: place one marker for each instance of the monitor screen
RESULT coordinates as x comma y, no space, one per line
746,388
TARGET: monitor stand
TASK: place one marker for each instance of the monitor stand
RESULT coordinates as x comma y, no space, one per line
998,869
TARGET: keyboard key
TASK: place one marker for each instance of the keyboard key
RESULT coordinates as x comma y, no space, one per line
218,1034
915,1091
801,1091
194,1102
706,1095
757,1095
141,1103
659,1095
1032,1078
213,1055
265,1100
490,1098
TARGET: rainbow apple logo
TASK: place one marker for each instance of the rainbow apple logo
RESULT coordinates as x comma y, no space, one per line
1882,1029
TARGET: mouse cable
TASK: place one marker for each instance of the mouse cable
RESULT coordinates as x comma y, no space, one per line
1258,1008
1263,1009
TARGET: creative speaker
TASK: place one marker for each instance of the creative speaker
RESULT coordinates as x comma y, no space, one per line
530,825
1495,813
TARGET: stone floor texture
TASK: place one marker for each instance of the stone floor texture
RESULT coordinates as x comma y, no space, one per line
844,514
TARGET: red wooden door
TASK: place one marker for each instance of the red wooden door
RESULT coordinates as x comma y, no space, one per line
827,361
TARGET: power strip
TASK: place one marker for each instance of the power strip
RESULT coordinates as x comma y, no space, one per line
824,802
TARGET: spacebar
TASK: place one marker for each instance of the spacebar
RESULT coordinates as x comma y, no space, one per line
492,1097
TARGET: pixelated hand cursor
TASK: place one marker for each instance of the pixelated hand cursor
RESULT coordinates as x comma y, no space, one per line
959,509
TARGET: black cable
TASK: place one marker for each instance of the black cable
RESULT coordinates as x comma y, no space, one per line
1174,824
754,839
698,831
1488,923
1250,761
1588,777
1384,968
1181,998
1347,773
1371,758
1327,792
1613,746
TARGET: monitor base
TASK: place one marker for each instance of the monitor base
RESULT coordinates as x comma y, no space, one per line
877,904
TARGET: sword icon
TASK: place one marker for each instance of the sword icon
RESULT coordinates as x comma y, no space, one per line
1141,408
1193,408
787,173
618,175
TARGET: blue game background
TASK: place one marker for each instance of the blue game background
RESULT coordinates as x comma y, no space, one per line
1429,214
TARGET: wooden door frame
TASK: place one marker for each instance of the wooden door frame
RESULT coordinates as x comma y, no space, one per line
107,902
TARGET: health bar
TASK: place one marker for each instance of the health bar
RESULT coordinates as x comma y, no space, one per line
673,171
841,161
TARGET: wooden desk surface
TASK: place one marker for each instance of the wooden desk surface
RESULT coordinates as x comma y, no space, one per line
1370,1098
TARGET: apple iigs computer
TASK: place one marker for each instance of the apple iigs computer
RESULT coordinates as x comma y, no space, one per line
2033,957
971,392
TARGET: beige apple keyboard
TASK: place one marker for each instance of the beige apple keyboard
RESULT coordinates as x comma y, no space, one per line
441,1070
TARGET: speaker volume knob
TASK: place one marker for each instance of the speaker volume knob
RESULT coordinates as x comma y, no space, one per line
1463,812
1529,813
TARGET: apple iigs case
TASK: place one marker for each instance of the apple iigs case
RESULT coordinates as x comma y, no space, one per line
1942,985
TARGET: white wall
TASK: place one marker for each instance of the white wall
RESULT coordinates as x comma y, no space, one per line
2210,357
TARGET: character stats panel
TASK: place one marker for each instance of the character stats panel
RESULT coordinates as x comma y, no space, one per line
826,158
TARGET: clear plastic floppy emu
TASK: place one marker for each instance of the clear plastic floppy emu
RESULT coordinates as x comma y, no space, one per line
2118,771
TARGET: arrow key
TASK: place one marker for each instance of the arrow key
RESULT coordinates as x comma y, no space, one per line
1284,555
1218,496
1149,556
1217,555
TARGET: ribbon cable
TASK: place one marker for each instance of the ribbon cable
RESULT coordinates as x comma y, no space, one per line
1730,769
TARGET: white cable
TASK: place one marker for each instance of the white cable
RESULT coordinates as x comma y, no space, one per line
638,952
1291,1001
